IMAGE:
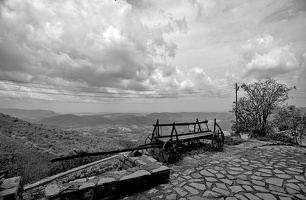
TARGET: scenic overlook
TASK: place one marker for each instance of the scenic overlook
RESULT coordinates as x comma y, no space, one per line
148,100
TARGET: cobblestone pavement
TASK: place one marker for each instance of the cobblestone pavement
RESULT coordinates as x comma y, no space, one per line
275,172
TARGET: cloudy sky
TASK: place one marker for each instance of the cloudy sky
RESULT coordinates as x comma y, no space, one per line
147,56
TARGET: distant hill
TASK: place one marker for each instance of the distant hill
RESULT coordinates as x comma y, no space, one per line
67,120
122,117
302,109
90,120
28,115
70,120
136,121
165,116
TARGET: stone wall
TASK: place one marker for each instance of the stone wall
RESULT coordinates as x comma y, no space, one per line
11,188
37,190
138,173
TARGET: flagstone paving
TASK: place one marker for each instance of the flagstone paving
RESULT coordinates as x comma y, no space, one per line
275,172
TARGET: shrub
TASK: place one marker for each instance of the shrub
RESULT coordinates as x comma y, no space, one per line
282,137
233,140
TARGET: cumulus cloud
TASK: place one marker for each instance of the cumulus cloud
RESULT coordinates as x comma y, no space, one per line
95,43
108,45
148,48
265,57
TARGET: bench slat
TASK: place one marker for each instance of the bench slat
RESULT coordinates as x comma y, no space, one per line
184,137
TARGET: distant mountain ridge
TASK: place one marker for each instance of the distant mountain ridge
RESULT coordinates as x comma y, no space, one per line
28,115
48,117
70,120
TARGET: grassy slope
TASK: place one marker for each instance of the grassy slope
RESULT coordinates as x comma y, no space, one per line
26,148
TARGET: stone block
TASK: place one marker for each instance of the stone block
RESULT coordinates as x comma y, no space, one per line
161,174
86,191
134,182
135,175
106,188
51,190
129,163
140,162
150,159
11,189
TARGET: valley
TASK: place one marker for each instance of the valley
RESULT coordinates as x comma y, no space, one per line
26,147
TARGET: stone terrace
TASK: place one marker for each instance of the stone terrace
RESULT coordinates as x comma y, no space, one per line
249,171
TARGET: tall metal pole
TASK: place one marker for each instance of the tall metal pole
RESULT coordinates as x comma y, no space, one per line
236,110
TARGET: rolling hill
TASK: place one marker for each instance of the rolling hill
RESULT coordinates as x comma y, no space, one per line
26,148
165,115
28,115
136,121
70,120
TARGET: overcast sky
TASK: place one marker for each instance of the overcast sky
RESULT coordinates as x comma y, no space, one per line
147,56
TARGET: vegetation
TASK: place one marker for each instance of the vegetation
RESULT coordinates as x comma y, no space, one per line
253,110
291,122
233,140
27,148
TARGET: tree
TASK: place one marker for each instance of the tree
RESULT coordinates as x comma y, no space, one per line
261,98
292,119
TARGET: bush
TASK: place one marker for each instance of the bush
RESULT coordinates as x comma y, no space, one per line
282,137
233,140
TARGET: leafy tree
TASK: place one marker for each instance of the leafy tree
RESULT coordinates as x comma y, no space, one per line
290,118
261,98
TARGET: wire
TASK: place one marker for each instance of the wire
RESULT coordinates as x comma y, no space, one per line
224,88
113,96
95,102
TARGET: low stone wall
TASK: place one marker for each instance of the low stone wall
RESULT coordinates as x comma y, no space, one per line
37,189
138,173
11,188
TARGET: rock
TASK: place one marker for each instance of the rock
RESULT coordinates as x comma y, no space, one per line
258,183
251,196
275,181
106,180
52,190
136,174
191,190
209,193
293,186
180,191
227,181
87,185
210,179
206,173
239,196
248,188
196,175
276,188
236,189
171,197
265,171
259,188
196,198
198,186
301,178
283,175
221,185
266,196
221,191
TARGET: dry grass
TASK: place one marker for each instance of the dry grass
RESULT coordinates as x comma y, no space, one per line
26,148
